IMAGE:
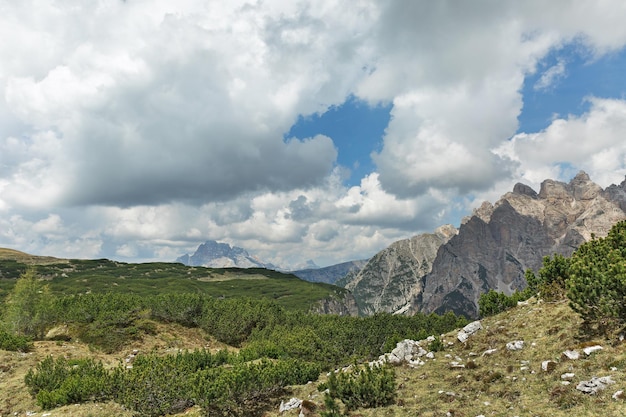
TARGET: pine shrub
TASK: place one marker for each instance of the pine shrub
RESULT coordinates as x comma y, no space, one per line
363,386
596,286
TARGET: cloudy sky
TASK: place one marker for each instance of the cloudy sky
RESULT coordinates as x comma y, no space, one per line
319,129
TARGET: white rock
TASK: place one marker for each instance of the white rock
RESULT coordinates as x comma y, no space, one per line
568,376
595,384
546,365
430,355
289,405
618,395
591,349
489,351
515,345
469,330
571,354
565,382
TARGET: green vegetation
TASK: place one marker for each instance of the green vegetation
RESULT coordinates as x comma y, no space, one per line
149,279
361,387
160,385
597,284
28,309
280,344
10,341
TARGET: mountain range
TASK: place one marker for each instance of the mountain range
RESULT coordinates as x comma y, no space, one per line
448,270
215,254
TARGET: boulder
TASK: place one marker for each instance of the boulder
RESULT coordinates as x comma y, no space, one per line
292,404
515,345
469,330
594,385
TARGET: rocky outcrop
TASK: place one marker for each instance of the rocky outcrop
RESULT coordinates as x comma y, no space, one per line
392,278
342,305
491,250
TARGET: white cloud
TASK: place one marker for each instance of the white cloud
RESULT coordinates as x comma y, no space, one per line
551,76
137,129
593,142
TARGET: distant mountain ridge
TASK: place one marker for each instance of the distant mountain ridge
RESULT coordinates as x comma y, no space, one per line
491,250
215,254
330,274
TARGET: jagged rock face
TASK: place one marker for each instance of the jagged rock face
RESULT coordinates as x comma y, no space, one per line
391,279
492,249
221,255
342,306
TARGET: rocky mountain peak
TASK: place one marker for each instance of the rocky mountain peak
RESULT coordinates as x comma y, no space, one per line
221,255
526,190
447,271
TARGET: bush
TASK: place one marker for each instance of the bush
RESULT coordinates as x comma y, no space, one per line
362,387
597,283
57,382
13,342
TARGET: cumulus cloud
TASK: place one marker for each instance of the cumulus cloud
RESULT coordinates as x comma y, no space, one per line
138,129
592,142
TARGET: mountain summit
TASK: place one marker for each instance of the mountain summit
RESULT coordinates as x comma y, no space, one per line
215,254
492,249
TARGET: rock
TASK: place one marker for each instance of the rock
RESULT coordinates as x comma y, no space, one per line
619,395
391,279
59,333
515,345
548,366
568,376
592,349
469,330
489,352
571,354
595,384
292,404
492,249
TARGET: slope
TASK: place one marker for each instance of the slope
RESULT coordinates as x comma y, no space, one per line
465,380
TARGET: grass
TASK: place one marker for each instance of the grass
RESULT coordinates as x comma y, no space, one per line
491,385
498,384
74,276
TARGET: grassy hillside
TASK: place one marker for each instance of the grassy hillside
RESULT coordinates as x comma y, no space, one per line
74,276
507,383
504,383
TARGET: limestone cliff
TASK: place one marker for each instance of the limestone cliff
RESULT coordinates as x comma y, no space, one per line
492,249
392,278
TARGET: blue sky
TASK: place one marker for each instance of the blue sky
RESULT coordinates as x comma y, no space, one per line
298,130
357,130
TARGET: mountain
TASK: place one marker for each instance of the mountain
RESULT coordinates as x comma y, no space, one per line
221,255
448,270
392,278
330,274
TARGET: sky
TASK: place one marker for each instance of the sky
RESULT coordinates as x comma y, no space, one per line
325,130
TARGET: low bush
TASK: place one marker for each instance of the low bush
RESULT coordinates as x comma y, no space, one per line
13,342
362,387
